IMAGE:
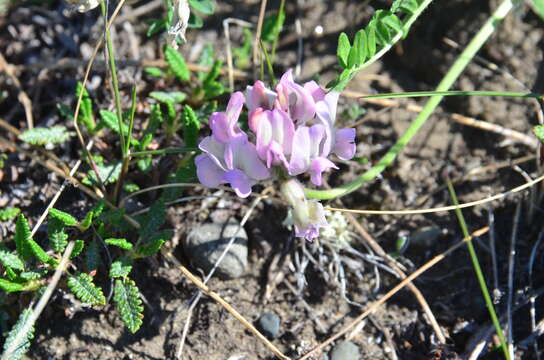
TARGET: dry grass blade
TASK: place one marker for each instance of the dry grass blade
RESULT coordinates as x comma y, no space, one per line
22,97
232,311
443,208
392,292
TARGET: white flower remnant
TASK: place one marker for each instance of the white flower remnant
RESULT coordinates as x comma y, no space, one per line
180,21
338,227
84,5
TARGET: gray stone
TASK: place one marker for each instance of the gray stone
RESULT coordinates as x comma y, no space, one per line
269,324
345,351
206,243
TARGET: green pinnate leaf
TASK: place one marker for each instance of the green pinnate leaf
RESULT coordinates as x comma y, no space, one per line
63,217
121,243
45,135
121,268
11,286
86,116
176,63
129,303
272,26
9,213
78,248
19,351
22,235
359,51
33,275
85,290
203,6
56,234
10,260
191,126
155,217
92,256
109,174
154,71
109,120
154,245
343,49
174,97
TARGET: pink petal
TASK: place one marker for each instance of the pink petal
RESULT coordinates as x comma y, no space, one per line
214,149
259,96
207,171
320,165
295,99
317,92
344,147
239,181
300,153
234,107
245,158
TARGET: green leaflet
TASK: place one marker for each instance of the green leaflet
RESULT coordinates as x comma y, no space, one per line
85,290
45,135
63,217
57,236
129,304
10,286
121,268
20,350
176,63
10,260
121,243
9,213
191,126
22,234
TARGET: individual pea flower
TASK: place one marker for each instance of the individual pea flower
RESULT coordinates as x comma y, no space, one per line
228,155
340,142
294,99
307,155
308,215
275,131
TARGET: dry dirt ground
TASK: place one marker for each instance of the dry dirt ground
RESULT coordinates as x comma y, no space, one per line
37,33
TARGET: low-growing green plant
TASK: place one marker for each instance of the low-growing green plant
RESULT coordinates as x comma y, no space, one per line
28,263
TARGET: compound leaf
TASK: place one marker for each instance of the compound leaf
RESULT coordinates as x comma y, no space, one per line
85,290
129,303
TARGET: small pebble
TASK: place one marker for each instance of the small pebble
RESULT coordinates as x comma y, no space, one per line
269,324
206,243
345,351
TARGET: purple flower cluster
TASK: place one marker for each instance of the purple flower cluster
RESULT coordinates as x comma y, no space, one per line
294,130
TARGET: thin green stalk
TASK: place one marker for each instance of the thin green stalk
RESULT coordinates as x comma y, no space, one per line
126,159
268,63
449,79
479,273
131,119
114,80
411,94
163,151
275,42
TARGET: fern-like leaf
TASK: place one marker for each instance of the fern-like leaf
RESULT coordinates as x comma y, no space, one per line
86,116
22,234
23,347
85,290
63,217
109,120
10,260
121,268
9,213
129,303
174,97
154,245
56,234
176,63
78,248
11,286
153,220
109,174
121,243
44,136
191,126
384,29
92,256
